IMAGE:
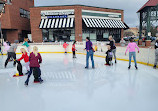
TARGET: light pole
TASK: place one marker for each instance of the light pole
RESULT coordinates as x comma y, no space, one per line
2,4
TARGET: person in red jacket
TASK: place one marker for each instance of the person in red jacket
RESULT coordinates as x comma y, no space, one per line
74,49
65,46
35,60
26,59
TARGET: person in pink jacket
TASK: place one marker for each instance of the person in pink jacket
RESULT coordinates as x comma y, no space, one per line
6,47
65,46
132,52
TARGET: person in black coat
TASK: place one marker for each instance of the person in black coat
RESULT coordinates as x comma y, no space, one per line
156,53
108,56
113,47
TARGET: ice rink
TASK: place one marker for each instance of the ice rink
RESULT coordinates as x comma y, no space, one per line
69,87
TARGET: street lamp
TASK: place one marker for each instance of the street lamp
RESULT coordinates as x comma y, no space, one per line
2,4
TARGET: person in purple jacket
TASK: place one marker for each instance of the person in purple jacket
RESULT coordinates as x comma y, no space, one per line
35,60
90,53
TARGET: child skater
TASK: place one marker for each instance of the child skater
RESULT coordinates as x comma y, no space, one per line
26,59
131,46
65,47
74,49
35,60
26,44
108,55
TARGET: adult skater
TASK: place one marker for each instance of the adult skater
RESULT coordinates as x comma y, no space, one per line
1,48
12,53
26,59
35,60
6,47
131,46
123,42
156,53
74,49
113,47
90,53
65,47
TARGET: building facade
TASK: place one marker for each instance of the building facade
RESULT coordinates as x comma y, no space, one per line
76,22
15,19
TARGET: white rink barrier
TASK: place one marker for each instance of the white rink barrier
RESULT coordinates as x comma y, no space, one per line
146,55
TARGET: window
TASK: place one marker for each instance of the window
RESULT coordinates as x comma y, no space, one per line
24,13
2,8
9,1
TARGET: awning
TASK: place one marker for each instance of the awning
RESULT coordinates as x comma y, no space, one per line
103,23
56,23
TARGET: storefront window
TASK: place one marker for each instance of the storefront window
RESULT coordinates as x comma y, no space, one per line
89,33
45,35
52,35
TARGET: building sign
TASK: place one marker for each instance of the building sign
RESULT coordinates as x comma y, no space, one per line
113,16
57,16
57,12
101,14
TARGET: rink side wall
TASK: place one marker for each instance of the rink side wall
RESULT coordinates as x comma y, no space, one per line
146,55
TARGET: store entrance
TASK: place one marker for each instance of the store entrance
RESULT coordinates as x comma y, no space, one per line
62,35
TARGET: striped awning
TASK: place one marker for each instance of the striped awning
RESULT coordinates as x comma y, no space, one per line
56,23
103,23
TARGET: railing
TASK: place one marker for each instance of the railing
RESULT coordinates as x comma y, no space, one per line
61,43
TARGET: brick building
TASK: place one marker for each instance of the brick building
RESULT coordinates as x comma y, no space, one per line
76,22
15,19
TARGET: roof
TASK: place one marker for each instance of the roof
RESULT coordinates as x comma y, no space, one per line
150,3
80,5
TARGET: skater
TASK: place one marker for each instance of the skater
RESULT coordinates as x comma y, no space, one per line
123,42
6,47
65,47
90,53
1,49
156,53
35,60
19,69
131,46
12,53
113,47
74,49
26,59
108,56
26,44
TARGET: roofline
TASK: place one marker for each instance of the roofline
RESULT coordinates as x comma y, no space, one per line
78,5
143,7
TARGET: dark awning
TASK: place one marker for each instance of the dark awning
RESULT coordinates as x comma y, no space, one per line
57,23
103,23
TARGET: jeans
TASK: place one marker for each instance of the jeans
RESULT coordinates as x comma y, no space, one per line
114,53
10,55
31,69
90,53
156,57
134,57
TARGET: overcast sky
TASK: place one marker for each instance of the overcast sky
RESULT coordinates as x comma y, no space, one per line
130,7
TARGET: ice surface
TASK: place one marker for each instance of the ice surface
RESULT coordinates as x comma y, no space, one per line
69,87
